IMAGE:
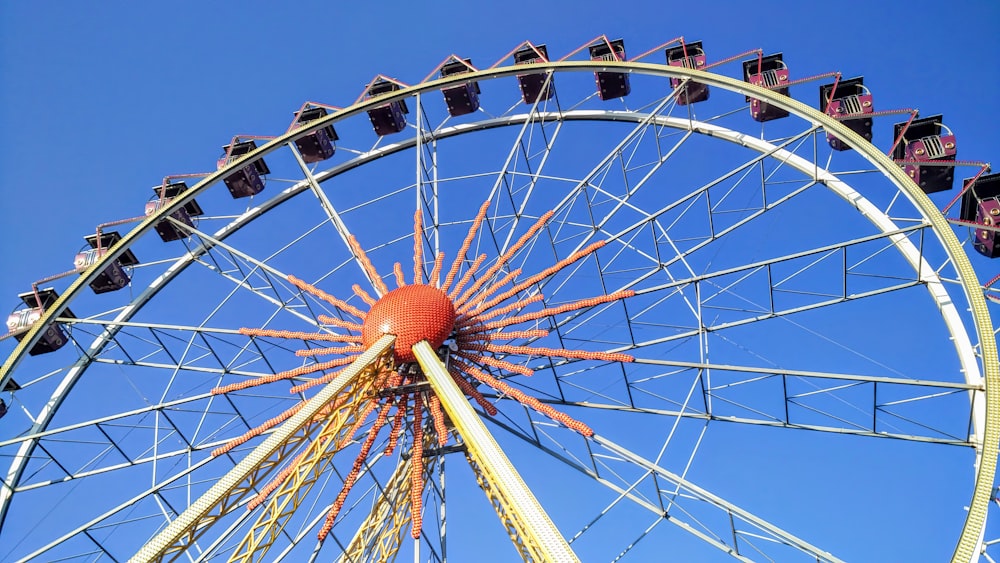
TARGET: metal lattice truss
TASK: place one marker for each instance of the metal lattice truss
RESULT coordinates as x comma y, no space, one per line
731,275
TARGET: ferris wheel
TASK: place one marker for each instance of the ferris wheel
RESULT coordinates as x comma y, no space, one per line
596,308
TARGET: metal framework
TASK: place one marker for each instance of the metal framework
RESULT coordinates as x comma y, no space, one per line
379,538
530,528
788,397
183,531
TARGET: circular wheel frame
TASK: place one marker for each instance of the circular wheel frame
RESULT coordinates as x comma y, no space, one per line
939,262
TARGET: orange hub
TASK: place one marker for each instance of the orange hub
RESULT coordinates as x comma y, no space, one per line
412,313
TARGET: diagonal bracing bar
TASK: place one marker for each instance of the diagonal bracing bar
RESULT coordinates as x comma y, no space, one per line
695,492
239,482
381,534
531,529
282,504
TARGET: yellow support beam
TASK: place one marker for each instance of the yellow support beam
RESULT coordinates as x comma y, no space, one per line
227,492
286,499
496,500
379,537
533,532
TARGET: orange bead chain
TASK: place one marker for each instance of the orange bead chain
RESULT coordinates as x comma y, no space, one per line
469,237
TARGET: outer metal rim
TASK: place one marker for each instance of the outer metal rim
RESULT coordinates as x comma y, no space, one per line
966,549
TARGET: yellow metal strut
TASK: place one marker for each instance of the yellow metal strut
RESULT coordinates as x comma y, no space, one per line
530,528
227,492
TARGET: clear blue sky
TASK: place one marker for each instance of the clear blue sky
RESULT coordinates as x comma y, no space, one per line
99,101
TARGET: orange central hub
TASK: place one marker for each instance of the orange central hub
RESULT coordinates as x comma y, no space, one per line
412,313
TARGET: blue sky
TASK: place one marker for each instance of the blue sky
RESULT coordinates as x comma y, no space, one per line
99,102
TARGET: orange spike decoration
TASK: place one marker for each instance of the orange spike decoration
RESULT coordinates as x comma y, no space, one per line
470,315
